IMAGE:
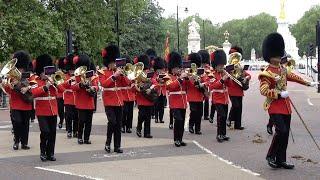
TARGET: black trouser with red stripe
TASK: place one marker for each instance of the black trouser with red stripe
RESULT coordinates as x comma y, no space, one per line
279,144
196,111
47,125
20,122
60,110
206,108
159,107
127,114
85,123
71,118
179,116
114,115
222,114
212,110
235,113
171,116
144,116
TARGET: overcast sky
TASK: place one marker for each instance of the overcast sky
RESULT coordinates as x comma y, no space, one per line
223,10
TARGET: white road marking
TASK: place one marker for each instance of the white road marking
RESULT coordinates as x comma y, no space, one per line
68,173
223,160
5,126
309,102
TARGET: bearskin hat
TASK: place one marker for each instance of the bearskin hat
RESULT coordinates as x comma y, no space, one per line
235,49
175,60
219,57
82,60
151,53
205,57
159,63
110,54
68,61
23,58
145,60
41,62
273,46
61,65
195,58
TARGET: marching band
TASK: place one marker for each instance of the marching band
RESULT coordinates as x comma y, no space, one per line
69,91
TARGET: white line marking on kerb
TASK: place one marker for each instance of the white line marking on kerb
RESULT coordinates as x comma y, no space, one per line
68,173
225,161
309,102
5,126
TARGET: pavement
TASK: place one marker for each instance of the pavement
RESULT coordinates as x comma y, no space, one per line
243,157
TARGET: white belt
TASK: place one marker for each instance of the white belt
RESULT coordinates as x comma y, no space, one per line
219,90
44,98
177,92
111,89
68,90
124,88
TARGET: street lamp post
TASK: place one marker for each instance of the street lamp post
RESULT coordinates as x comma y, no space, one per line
178,30
204,34
117,23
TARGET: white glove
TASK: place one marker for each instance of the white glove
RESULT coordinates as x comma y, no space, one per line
284,94
313,84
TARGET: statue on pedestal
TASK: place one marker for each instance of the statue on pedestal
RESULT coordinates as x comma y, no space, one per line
193,37
226,45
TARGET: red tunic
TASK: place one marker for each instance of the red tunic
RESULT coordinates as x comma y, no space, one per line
177,93
111,95
234,89
16,101
45,101
83,100
219,90
68,94
268,89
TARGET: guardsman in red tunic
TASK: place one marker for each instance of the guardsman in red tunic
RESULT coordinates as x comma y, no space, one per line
195,95
205,63
235,91
152,55
45,96
176,86
145,105
129,96
71,113
111,79
159,68
273,85
20,108
220,93
85,88
61,67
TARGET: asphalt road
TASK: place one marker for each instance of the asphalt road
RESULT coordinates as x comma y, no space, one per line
203,158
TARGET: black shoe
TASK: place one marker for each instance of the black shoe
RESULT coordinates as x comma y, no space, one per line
161,121
225,138
220,138
183,143
138,133
177,143
51,158
211,120
32,120
128,130
87,142
75,135
191,130
118,150
107,148
60,125
69,135
269,130
286,165
206,118
15,146
43,157
12,131
239,128
198,132
170,126
228,123
272,163
80,141
156,121
25,147
148,136
123,130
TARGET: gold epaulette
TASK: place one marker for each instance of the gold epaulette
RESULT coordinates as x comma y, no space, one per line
100,71
266,73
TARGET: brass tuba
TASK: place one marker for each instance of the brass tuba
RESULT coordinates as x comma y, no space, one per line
81,71
128,70
58,77
235,59
291,64
9,71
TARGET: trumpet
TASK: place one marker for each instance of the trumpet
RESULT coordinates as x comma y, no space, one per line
58,77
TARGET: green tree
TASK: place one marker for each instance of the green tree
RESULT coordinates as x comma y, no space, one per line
305,31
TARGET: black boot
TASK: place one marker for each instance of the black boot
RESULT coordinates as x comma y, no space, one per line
107,148
170,126
148,136
138,133
25,147
225,137
118,150
51,158
286,165
228,123
177,143
60,125
123,130
272,162
183,143
69,135
128,130
43,157
219,138
87,142
269,130
191,130
15,146
156,121
211,120
80,141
